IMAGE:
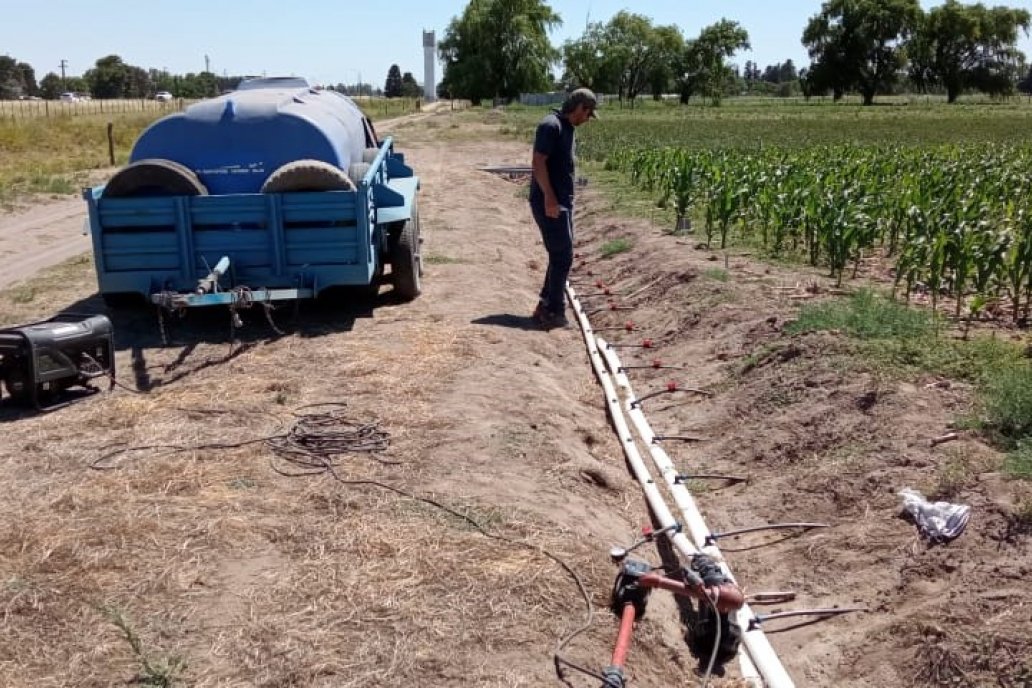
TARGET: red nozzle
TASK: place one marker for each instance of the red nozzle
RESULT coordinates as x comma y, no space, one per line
601,285
647,344
671,386
657,363
629,326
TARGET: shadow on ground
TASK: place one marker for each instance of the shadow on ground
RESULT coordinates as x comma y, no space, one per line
197,335
516,322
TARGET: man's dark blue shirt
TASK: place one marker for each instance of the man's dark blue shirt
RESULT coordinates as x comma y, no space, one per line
554,139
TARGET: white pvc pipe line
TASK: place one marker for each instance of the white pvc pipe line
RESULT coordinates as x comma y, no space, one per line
760,652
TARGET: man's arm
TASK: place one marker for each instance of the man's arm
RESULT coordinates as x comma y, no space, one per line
540,168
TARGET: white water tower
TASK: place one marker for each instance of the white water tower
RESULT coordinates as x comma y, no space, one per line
429,58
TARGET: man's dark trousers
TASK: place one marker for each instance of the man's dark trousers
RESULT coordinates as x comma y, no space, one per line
557,233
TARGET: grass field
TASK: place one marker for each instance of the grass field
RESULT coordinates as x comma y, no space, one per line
754,122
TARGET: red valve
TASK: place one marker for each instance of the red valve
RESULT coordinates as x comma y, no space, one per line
647,344
646,530
671,386
629,326
600,284
657,363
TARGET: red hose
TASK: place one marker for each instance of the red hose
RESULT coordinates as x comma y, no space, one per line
623,638
726,596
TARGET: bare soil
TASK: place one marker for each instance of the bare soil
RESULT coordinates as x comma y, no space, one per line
210,567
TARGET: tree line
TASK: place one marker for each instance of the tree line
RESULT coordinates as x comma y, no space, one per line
110,77
498,49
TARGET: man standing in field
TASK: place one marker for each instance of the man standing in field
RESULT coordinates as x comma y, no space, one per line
551,199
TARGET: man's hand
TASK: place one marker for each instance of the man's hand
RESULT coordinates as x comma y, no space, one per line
551,207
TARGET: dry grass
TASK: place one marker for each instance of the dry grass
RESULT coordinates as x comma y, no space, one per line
207,568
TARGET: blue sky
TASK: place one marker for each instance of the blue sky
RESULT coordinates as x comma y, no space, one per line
337,41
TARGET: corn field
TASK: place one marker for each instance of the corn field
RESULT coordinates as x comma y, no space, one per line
955,220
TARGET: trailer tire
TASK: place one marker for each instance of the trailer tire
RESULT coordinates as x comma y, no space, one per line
357,171
307,175
369,154
154,177
406,262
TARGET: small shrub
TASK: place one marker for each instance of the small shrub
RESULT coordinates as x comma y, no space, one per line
717,274
1018,463
865,315
611,248
1006,403
438,259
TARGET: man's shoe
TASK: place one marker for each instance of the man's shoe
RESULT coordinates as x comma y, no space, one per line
559,320
541,316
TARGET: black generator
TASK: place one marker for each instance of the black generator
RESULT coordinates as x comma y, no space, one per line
40,362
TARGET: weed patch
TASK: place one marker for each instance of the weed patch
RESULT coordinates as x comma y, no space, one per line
611,248
1018,463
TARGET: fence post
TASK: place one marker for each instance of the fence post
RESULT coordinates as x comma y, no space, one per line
111,142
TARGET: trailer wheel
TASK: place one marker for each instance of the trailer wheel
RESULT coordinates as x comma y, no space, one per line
154,177
406,263
307,175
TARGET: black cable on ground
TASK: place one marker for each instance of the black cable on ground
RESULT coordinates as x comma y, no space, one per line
314,441
312,444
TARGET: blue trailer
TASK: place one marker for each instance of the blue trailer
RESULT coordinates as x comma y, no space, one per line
273,192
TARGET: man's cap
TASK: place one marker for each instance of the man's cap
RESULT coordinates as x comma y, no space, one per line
582,96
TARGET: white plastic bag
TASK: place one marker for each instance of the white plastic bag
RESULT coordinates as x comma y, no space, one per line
937,522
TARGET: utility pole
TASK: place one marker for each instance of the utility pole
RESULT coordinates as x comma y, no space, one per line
207,63
64,64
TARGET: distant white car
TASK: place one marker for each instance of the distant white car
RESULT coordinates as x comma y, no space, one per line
69,98
163,96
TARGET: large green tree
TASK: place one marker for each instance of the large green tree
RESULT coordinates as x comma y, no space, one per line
409,86
109,78
16,78
968,46
626,55
392,87
859,44
51,86
499,48
589,61
702,68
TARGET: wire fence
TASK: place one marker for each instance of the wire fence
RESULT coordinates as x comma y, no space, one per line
28,109
376,108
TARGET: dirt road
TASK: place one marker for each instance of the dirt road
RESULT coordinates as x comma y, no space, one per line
206,557
43,235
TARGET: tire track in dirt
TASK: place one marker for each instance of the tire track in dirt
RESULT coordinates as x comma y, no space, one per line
44,235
